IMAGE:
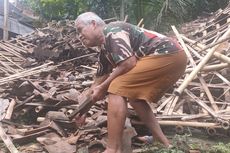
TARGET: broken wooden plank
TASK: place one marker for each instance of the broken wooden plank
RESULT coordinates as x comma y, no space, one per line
6,139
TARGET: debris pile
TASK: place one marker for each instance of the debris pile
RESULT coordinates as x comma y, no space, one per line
45,76
201,96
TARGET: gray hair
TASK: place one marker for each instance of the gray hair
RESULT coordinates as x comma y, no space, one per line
88,17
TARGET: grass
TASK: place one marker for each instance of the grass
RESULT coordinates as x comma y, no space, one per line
185,144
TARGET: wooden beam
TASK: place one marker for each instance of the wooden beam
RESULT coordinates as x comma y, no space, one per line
5,26
6,139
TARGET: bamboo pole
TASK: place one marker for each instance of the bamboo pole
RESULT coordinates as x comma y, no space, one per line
200,65
11,61
12,51
183,123
27,73
211,67
208,93
140,22
164,103
201,103
203,83
83,56
173,104
209,85
220,56
8,68
16,47
222,78
38,109
41,119
194,51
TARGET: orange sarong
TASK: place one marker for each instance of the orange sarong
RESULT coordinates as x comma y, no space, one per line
151,77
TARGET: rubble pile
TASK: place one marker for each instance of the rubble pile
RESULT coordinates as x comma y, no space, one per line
42,77
201,97
45,75
58,42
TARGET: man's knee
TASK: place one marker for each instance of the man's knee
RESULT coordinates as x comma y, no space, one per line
115,98
136,102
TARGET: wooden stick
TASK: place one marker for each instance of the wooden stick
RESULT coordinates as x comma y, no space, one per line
175,100
83,56
140,22
208,93
9,69
10,109
167,107
194,51
222,78
11,51
87,67
17,48
164,103
6,139
3,69
126,18
201,103
11,61
26,73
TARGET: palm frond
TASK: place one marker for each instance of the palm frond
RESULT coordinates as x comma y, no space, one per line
177,8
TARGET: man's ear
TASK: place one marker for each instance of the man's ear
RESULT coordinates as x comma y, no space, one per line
93,22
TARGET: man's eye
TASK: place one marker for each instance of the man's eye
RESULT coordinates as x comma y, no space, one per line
79,30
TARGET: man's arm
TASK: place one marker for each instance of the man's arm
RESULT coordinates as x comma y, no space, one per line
99,79
122,68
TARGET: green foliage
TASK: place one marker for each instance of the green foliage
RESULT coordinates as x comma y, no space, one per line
182,144
200,7
104,8
220,148
160,149
157,14
56,9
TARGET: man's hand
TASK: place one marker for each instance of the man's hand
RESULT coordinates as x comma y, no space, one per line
98,93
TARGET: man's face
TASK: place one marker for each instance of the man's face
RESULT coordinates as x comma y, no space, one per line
87,34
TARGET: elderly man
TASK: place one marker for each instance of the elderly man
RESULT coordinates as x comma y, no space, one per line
136,66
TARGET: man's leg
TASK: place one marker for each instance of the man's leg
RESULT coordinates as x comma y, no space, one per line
146,115
117,109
